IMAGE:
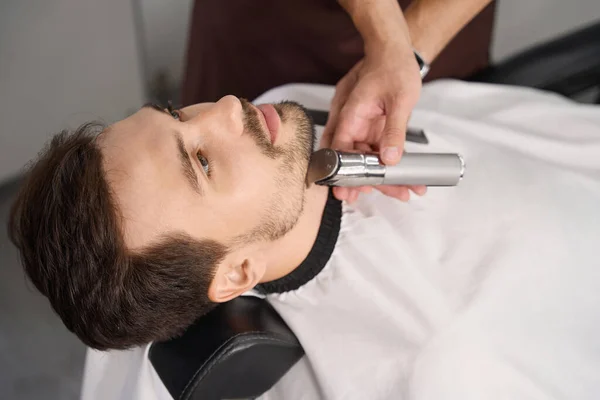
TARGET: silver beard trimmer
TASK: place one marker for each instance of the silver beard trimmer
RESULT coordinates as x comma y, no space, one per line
336,168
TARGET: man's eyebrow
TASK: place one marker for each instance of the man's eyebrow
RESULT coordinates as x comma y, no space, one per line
156,107
186,165
184,157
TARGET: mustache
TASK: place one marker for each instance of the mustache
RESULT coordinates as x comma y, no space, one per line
301,146
255,129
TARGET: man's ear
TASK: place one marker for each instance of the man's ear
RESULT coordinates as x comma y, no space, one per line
235,275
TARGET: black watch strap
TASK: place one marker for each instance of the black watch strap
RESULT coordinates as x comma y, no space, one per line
423,66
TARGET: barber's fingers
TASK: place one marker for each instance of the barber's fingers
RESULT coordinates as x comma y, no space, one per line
401,192
353,196
329,129
350,195
341,193
394,132
342,91
353,123
419,190
398,192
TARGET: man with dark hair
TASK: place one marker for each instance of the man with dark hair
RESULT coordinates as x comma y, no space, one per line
467,292
85,237
68,228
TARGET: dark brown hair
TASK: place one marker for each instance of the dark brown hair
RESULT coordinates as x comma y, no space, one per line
67,229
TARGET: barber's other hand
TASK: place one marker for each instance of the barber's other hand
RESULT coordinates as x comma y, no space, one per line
370,111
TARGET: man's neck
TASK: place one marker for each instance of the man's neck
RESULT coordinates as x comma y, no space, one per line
287,253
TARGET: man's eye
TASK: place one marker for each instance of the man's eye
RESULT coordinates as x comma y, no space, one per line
175,114
204,162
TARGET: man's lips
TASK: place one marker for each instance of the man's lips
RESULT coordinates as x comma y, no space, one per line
272,120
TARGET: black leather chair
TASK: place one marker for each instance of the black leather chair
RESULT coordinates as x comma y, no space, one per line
568,65
242,348
239,350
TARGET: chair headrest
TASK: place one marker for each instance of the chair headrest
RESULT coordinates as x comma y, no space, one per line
238,350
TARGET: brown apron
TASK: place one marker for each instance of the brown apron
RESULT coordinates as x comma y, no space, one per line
245,47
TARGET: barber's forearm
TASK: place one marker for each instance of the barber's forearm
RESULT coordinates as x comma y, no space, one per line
426,25
433,23
378,21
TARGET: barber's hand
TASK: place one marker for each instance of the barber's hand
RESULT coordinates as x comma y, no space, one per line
370,110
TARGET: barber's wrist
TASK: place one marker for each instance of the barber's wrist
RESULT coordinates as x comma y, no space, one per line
379,22
390,49
422,62
393,40
425,45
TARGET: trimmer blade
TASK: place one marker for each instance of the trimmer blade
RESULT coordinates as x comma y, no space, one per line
323,164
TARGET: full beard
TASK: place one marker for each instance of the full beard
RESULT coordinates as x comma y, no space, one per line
286,206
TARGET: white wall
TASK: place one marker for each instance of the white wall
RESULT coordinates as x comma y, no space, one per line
62,62
523,23
165,31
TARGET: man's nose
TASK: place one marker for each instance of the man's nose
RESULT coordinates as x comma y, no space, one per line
226,116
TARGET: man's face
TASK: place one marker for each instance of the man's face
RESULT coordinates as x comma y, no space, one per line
225,171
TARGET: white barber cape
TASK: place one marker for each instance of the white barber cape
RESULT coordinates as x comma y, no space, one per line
489,290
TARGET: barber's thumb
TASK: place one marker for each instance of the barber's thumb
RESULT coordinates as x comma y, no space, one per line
393,138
